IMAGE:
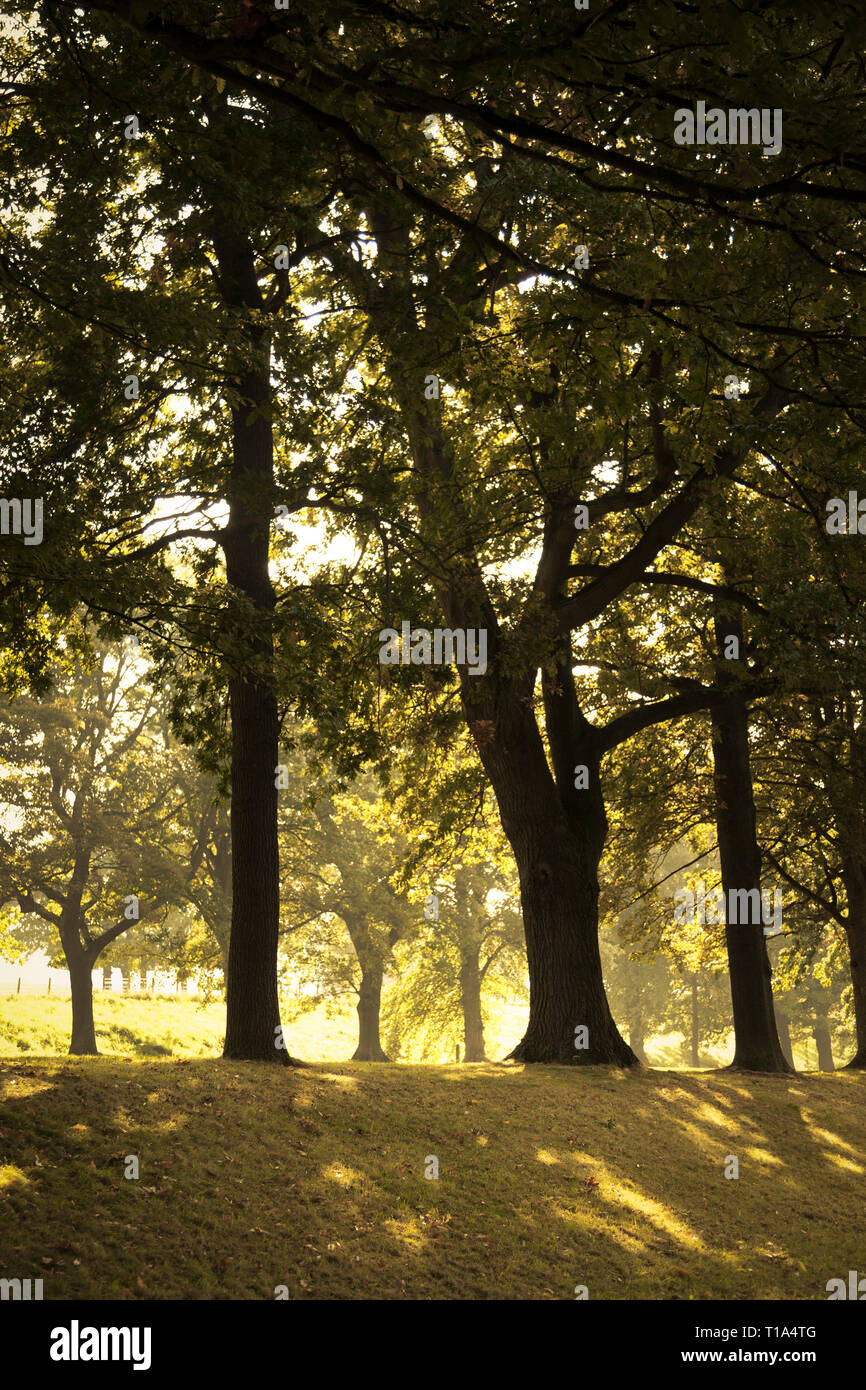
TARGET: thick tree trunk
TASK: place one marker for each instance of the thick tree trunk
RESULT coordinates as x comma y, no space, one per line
253,1029
369,1047
757,1045
559,896
83,1043
470,998
557,834
854,878
824,1044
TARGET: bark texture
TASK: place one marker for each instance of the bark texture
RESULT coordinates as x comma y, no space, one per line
854,878
253,1031
756,1040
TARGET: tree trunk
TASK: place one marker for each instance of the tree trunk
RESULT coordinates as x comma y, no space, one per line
219,918
636,1039
369,1047
824,1044
124,974
854,878
559,896
252,1002
83,1043
106,977
470,998
695,1030
468,917
253,1029
783,1026
557,834
757,1045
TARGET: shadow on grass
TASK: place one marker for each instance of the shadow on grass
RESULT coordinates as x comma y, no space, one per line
253,1177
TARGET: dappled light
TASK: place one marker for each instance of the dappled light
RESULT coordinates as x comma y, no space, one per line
11,1176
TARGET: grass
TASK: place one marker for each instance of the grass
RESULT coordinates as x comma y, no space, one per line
253,1176
180,1026
159,1027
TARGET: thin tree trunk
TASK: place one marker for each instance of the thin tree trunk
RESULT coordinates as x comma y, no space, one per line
467,918
696,1035
253,1029
854,878
219,919
783,1026
636,1040
824,1044
124,974
757,1045
106,977
470,998
369,1047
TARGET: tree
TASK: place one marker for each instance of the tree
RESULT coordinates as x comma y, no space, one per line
342,854
91,843
552,808
466,961
147,256
687,279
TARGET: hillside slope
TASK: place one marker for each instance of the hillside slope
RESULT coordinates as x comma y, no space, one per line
253,1177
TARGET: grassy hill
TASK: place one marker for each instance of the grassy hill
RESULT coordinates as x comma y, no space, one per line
253,1177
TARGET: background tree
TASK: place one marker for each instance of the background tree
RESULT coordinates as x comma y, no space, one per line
90,843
